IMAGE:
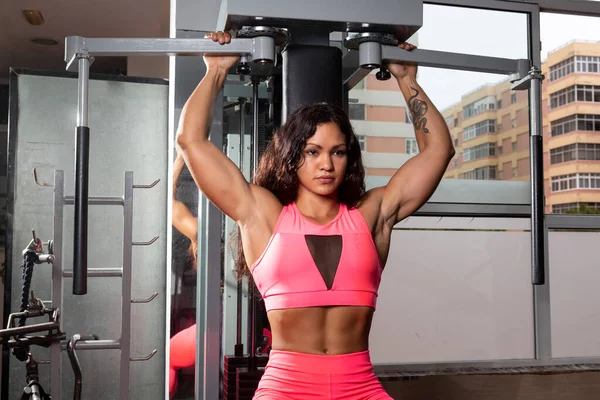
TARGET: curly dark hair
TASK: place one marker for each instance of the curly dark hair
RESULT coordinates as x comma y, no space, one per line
278,166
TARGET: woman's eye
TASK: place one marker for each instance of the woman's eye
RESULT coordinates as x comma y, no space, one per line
339,153
311,152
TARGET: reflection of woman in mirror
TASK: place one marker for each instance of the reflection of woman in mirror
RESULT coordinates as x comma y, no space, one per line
183,344
314,241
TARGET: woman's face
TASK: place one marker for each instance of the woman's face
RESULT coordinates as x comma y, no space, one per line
325,159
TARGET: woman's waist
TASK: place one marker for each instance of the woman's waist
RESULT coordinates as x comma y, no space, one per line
321,330
317,364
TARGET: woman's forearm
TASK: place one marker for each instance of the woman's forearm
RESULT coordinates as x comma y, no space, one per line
196,115
430,128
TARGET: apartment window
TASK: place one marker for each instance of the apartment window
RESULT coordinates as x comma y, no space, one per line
500,150
411,147
588,181
515,171
480,128
455,142
499,104
449,121
484,173
513,98
357,111
456,163
514,122
499,127
479,106
574,207
455,122
581,122
514,146
362,141
576,151
481,151
562,69
586,64
579,93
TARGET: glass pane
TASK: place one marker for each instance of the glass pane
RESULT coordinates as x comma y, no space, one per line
473,31
488,123
469,287
574,290
571,61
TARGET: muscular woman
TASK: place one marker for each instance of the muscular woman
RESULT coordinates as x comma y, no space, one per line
314,241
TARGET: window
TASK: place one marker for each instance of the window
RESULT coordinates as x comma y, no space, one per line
514,146
479,106
587,64
455,142
514,122
513,98
480,128
580,93
587,181
362,140
580,122
499,127
455,122
515,171
499,104
411,147
485,173
500,150
449,121
481,151
576,151
356,111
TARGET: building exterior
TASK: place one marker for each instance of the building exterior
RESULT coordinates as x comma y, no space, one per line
377,110
490,130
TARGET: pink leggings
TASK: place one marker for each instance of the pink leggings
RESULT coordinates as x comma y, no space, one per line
299,376
182,354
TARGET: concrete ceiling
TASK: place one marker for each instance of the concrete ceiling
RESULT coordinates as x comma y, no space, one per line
91,18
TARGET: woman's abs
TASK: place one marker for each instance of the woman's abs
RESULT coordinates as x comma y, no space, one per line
321,330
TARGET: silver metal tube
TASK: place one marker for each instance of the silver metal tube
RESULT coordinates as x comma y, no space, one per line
98,200
57,282
95,345
98,273
126,285
83,81
369,55
254,157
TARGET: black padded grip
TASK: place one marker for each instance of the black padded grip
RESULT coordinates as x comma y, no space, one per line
82,160
538,275
311,74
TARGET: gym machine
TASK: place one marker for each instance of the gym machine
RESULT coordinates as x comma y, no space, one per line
291,40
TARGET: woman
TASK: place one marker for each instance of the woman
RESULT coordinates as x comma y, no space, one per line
313,240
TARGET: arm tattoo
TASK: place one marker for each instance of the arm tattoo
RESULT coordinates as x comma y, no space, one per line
418,109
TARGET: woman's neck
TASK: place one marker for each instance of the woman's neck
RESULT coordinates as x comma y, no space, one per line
316,206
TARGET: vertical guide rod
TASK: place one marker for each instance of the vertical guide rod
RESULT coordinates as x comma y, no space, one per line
57,282
239,346
82,160
125,341
253,168
537,179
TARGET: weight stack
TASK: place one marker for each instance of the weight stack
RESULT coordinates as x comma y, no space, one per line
245,381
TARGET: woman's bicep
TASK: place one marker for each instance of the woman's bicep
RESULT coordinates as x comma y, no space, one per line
218,178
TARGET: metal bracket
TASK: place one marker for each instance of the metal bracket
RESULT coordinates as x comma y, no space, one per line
144,358
154,239
35,178
524,83
150,186
148,300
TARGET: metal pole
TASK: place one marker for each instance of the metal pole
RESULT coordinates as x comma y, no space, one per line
126,280
82,159
57,283
253,167
239,346
537,179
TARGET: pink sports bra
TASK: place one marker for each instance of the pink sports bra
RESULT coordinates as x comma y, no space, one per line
310,265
